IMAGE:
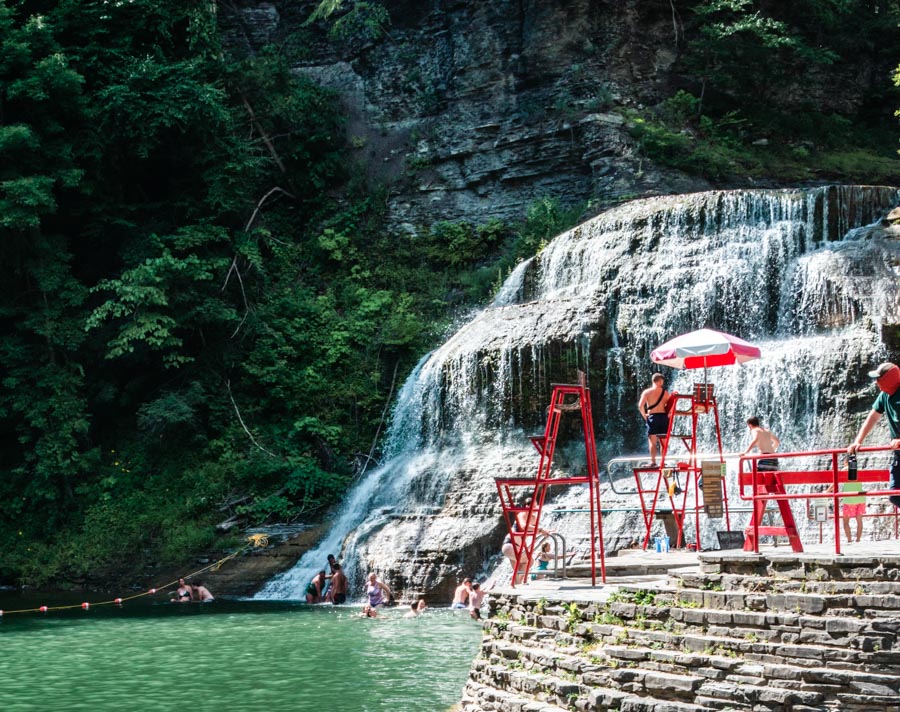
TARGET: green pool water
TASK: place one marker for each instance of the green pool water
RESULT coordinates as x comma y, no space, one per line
234,656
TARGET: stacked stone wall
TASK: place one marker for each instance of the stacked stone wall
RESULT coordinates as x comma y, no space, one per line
707,641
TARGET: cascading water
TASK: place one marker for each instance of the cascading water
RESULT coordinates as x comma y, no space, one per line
793,271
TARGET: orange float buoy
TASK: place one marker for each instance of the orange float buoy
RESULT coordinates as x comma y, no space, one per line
85,605
152,590
43,609
118,600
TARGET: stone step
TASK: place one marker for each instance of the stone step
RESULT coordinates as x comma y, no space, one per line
850,566
479,698
528,683
793,684
543,657
801,655
651,704
736,631
783,628
503,660
754,584
728,695
797,602
595,693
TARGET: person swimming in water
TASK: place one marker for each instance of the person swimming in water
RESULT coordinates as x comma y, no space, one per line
377,592
202,593
183,594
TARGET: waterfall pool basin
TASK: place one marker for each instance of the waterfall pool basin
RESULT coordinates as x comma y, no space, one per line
232,656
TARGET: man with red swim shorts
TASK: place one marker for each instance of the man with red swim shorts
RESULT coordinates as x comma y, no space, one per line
887,378
853,508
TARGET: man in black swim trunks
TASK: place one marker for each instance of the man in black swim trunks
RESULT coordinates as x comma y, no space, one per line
652,405
337,591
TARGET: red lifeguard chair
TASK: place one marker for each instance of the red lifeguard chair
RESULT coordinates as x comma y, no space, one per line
565,399
770,482
704,348
685,410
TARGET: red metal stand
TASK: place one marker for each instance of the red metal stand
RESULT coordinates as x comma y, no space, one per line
765,486
771,483
688,406
523,542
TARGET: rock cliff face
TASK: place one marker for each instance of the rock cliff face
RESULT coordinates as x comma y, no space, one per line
468,110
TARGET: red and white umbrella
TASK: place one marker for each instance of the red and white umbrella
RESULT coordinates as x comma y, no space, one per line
704,348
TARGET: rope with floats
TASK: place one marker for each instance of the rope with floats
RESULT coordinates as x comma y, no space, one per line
253,541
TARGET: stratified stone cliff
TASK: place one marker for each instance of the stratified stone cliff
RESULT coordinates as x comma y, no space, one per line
468,110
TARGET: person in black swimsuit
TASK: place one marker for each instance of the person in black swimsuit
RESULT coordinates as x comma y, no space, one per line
652,405
183,594
337,591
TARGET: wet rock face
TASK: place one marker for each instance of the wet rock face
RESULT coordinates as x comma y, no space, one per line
472,110
469,110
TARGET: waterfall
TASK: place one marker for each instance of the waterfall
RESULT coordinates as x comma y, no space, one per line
807,275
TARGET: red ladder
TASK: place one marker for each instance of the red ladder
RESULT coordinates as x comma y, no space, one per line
523,542
690,406
771,484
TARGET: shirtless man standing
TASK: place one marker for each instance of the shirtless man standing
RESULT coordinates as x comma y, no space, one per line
652,405
337,591
461,594
764,440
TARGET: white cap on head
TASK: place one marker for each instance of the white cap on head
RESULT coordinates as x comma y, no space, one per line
882,369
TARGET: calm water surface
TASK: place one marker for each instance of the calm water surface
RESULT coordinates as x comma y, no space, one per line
234,656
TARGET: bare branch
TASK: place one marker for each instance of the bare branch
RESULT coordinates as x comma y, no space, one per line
265,137
384,413
234,268
241,421
260,204
674,20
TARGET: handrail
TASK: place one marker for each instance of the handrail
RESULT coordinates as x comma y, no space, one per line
557,539
835,495
569,510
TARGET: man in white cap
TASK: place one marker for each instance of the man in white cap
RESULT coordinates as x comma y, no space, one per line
887,377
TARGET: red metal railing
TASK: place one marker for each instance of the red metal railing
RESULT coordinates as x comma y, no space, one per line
777,480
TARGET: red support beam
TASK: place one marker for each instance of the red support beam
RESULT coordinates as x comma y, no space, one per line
565,399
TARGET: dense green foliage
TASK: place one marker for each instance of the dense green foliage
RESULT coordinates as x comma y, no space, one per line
196,324
757,76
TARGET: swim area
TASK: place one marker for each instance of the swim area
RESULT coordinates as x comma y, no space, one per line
235,655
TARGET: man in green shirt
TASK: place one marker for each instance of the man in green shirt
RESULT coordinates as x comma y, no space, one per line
887,377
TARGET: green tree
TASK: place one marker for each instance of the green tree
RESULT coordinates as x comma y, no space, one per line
744,50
